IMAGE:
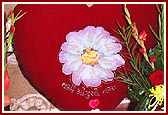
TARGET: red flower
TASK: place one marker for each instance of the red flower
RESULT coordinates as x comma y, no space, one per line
142,35
152,58
10,13
141,50
157,77
12,30
6,80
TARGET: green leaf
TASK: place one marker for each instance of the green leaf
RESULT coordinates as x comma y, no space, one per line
154,33
120,73
131,94
142,105
118,24
18,17
10,38
133,50
127,82
129,35
123,43
159,54
12,19
120,33
130,45
5,51
137,60
132,64
138,89
145,69
128,27
160,26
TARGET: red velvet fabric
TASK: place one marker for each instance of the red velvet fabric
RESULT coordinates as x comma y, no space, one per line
40,33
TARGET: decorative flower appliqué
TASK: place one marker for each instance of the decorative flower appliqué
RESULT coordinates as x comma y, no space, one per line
90,55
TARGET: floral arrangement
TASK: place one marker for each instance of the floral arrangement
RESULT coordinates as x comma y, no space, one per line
146,76
8,42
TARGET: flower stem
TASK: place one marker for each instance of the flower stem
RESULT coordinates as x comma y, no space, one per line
135,35
8,41
123,35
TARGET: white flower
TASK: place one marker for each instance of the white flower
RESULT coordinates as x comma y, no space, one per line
90,55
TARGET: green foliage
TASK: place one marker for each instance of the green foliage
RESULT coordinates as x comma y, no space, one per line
158,50
142,105
159,54
8,38
137,78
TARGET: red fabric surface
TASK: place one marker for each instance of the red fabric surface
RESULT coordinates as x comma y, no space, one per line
40,33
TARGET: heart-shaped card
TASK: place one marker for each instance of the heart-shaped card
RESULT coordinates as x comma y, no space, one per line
55,50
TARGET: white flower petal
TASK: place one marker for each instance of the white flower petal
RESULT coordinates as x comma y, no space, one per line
90,77
104,74
76,76
113,39
110,47
100,41
74,38
111,62
71,65
72,48
88,36
100,30
65,57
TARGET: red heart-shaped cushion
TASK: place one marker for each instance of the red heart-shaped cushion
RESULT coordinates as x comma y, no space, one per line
40,34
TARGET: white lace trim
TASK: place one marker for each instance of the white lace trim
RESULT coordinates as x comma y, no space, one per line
31,102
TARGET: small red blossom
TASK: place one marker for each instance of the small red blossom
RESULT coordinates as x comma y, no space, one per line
142,50
152,59
133,31
12,30
10,13
142,35
157,77
6,80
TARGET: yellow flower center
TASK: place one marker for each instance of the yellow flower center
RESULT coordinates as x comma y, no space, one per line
157,93
90,57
